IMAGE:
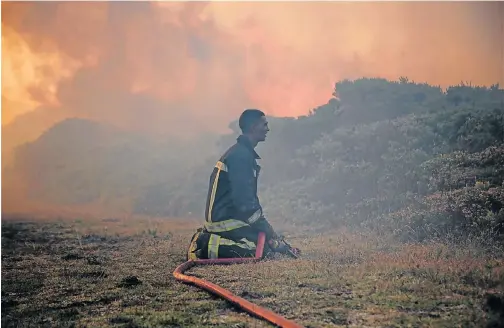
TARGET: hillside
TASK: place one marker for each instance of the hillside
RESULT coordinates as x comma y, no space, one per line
26,128
79,162
392,156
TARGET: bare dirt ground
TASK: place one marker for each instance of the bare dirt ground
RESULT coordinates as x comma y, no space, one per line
118,273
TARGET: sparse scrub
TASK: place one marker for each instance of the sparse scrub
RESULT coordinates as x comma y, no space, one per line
344,278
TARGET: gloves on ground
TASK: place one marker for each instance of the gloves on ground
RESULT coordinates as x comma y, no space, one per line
278,246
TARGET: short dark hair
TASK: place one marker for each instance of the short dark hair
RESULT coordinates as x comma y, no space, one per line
248,118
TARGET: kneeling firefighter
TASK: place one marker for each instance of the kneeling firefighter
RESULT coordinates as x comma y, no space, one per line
233,215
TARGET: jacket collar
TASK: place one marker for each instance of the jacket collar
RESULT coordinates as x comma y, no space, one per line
246,142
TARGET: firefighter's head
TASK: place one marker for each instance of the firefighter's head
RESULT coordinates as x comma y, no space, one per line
254,125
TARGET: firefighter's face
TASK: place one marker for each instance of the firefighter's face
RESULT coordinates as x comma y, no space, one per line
260,129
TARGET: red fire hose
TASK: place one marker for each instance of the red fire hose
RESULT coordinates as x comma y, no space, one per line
236,300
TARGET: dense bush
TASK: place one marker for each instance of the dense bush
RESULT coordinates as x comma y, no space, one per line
458,213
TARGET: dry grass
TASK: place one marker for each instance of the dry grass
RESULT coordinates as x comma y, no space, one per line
118,273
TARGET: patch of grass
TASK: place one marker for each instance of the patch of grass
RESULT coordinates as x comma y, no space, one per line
77,273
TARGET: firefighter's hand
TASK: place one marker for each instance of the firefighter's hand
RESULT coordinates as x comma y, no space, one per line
296,252
278,246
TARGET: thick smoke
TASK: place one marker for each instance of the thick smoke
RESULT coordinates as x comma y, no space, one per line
180,68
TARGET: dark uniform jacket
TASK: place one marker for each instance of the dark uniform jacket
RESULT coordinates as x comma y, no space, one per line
232,195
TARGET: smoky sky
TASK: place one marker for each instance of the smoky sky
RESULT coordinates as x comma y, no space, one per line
185,67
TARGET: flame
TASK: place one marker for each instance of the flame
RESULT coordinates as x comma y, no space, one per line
30,79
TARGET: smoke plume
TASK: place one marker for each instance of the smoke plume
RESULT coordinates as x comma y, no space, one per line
177,68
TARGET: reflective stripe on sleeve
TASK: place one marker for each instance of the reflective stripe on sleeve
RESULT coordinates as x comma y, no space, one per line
226,225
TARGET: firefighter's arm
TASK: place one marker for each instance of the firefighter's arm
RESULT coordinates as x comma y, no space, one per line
263,225
242,180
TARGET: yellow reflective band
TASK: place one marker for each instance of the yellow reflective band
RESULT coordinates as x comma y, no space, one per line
221,166
214,189
256,216
227,242
244,243
247,244
226,225
213,246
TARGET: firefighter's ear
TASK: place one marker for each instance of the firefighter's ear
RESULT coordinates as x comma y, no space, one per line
253,127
